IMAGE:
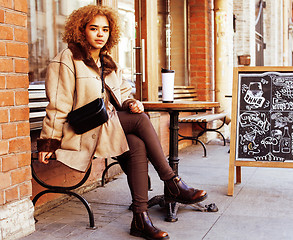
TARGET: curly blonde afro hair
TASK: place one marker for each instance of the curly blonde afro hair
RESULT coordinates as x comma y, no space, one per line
78,19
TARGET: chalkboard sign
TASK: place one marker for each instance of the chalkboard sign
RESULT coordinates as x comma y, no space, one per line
262,119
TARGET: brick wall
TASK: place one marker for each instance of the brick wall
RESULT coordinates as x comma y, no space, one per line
15,173
200,47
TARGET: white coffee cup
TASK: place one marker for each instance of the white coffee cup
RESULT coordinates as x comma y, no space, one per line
167,85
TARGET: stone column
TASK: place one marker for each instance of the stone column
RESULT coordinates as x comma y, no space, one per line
223,52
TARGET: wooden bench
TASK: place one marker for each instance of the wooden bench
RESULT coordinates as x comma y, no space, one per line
189,93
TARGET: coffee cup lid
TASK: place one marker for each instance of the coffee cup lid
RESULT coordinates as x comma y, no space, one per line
163,70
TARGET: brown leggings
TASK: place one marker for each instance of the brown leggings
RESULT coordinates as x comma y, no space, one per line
143,142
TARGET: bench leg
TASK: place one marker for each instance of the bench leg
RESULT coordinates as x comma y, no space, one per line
70,193
204,128
105,171
194,139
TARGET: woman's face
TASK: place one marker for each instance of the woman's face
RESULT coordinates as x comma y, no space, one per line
97,31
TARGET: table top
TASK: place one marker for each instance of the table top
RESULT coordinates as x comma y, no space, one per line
180,106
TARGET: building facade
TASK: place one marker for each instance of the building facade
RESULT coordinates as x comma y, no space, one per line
202,40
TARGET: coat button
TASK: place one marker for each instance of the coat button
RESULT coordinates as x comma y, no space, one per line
94,136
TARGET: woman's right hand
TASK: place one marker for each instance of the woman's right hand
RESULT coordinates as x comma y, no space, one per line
136,107
44,156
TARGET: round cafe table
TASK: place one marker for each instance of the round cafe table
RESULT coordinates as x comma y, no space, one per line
174,109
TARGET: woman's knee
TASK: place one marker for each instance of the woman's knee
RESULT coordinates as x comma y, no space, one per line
144,119
135,143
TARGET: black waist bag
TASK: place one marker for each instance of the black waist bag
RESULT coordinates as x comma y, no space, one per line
88,116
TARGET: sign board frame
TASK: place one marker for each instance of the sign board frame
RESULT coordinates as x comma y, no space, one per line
235,163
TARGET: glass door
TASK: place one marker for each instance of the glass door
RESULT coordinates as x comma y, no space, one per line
131,48
126,47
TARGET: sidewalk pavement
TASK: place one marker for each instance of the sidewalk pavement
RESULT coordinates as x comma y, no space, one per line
261,207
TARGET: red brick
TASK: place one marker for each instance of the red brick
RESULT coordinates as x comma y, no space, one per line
21,98
200,25
17,81
198,62
195,18
23,129
200,43
192,74
200,49
200,38
21,66
8,131
24,159
202,85
2,197
2,82
6,3
199,68
21,175
19,145
1,16
20,5
9,163
202,74
6,99
17,50
5,180
19,114
11,194
25,189
193,32
200,31
17,19
6,65
2,49
3,115
6,33
199,56
20,35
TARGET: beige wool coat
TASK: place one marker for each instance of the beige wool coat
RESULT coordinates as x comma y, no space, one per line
73,80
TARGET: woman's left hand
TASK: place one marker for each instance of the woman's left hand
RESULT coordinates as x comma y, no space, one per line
136,107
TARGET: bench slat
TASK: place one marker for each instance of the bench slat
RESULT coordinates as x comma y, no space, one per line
37,104
182,93
203,117
37,95
36,125
186,95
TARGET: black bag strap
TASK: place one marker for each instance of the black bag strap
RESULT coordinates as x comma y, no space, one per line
102,74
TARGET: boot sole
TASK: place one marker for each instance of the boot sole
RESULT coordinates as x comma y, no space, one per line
169,200
137,233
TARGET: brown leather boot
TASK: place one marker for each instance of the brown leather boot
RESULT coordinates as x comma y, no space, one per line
176,190
142,226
